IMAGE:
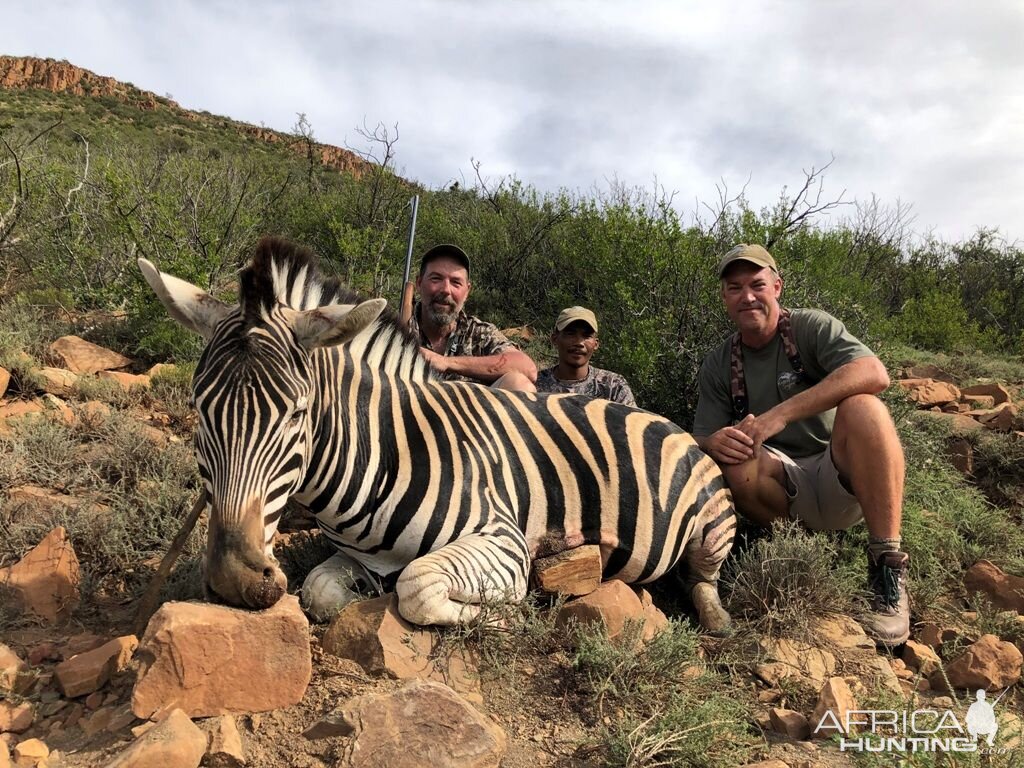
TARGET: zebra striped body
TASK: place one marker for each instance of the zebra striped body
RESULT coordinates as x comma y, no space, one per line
448,488
427,462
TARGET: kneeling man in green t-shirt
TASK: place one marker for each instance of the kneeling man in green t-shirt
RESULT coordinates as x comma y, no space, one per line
788,409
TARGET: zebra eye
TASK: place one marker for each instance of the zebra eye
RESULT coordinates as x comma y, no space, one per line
299,410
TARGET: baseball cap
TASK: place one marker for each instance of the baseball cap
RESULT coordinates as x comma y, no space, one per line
446,251
571,314
755,254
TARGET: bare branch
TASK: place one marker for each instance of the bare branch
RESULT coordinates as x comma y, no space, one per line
724,204
806,204
85,174
491,196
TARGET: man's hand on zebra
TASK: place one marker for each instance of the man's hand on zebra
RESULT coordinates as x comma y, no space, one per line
438,362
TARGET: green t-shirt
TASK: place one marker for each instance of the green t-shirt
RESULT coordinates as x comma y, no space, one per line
824,345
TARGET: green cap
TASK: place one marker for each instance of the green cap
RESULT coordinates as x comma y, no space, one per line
755,254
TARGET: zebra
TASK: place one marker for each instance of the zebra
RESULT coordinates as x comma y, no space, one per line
444,491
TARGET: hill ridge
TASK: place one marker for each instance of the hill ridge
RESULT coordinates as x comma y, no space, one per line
61,76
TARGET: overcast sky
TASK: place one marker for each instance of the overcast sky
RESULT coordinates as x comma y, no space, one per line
921,102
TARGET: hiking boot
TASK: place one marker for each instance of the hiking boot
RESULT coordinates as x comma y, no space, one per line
888,619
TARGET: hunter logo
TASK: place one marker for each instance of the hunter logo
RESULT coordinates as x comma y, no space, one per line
981,718
920,730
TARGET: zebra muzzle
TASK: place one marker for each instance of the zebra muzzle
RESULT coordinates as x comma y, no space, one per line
267,591
242,575
249,585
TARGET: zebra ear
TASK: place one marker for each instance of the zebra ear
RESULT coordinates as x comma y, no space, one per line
335,323
193,307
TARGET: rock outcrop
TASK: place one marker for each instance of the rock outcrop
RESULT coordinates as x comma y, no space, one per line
89,671
1005,590
81,356
45,581
374,635
425,723
988,663
175,742
613,605
27,72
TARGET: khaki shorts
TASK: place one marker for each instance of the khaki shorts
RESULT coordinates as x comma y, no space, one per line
817,497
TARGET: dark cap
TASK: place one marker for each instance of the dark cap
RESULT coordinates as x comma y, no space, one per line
444,251
755,254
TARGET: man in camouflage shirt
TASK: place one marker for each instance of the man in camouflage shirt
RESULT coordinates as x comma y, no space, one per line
575,340
459,346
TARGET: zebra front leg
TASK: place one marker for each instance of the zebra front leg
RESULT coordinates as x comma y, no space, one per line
448,585
704,557
332,585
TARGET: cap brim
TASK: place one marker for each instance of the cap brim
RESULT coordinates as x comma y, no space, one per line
756,262
567,323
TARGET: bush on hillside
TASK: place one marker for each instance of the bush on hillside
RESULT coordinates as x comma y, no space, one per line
196,207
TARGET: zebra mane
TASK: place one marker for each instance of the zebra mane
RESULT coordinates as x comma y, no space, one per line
282,272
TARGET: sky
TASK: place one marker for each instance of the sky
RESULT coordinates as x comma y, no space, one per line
919,103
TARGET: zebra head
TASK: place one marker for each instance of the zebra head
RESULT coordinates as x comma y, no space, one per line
254,393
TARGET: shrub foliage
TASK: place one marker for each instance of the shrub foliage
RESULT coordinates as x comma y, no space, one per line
104,184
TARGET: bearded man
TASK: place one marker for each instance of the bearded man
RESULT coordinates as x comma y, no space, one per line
462,347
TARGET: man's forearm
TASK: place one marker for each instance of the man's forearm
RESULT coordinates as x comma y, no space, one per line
863,376
490,368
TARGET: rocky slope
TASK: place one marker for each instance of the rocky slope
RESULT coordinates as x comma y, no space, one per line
203,684
27,72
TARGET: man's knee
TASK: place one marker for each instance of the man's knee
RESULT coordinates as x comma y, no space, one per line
743,480
515,381
739,475
758,496
864,420
861,411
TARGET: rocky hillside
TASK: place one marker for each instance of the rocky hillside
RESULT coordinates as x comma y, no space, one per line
21,73
25,72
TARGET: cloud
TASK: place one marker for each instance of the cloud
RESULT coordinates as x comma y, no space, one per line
918,101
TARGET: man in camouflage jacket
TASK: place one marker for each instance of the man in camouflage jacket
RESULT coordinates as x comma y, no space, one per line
575,340
459,346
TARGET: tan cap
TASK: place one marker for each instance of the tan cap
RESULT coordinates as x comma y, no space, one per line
572,314
755,254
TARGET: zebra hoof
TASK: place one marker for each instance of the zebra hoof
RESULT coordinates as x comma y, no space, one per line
710,613
323,595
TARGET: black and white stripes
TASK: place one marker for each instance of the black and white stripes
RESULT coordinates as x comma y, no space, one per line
445,489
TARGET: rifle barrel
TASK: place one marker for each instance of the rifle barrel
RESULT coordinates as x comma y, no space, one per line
412,237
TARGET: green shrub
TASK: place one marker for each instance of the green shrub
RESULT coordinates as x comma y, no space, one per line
665,714
126,497
938,320
88,387
27,328
783,579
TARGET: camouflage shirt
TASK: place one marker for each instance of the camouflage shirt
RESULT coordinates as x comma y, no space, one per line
472,337
598,383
